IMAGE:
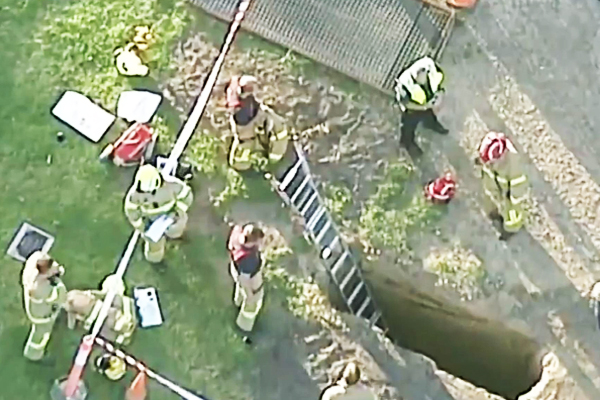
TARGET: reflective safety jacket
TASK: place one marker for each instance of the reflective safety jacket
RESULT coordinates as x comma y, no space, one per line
406,80
267,130
504,179
172,197
121,320
42,299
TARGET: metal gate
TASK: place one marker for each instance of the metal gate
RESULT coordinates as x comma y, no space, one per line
298,190
369,40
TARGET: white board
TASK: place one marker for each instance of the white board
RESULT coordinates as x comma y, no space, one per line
148,307
81,114
138,105
158,228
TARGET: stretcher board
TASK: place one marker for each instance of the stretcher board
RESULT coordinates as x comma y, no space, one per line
158,228
81,114
28,240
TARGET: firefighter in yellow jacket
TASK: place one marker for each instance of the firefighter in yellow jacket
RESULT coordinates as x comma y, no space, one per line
504,181
152,196
419,93
130,60
256,128
44,294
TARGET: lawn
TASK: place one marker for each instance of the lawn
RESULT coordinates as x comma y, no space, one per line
48,47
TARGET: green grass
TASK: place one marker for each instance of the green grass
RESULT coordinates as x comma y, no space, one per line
49,47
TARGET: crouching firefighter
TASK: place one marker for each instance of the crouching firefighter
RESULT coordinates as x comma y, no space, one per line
84,306
257,130
245,268
504,181
44,295
153,195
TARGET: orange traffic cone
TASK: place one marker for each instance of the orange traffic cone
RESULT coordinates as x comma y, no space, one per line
137,390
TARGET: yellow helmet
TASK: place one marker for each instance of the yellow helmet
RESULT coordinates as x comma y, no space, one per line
148,178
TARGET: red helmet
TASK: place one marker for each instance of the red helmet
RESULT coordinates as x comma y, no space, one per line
493,146
442,189
237,87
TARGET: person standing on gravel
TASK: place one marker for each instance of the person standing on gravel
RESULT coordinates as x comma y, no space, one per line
246,270
503,181
419,93
347,386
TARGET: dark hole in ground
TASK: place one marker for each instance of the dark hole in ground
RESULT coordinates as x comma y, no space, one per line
481,351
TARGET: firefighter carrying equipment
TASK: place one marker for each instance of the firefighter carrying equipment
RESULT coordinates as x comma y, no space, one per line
441,190
129,62
152,196
503,179
85,305
112,367
407,80
44,294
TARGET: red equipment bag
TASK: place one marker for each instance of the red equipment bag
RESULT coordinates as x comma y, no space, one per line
132,145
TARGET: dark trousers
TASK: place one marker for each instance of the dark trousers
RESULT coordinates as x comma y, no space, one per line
410,121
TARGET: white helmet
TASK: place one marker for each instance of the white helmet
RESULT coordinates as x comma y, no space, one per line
113,282
148,178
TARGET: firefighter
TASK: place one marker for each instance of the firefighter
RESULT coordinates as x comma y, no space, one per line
419,92
245,268
84,306
441,190
152,196
44,294
256,128
504,181
112,367
346,386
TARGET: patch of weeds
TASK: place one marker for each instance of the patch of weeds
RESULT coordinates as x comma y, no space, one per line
338,201
457,268
78,38
235,187
302,298
393,211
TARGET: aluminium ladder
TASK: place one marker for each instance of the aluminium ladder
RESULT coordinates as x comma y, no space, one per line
298,190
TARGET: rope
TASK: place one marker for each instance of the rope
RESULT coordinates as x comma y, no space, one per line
141,367
180,145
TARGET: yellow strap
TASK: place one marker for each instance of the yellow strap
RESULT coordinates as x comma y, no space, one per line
42,344
31,318
517,181
514,217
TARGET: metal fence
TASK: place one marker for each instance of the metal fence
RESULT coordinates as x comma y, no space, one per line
371,41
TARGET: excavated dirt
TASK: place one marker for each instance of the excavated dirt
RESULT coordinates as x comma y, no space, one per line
352,140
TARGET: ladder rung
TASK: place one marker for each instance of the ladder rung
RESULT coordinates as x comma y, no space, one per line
289,177
354,293
347,278
309,203
363,307
334,242
323,231
300,188
315,218
306,193
338,263
374,318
